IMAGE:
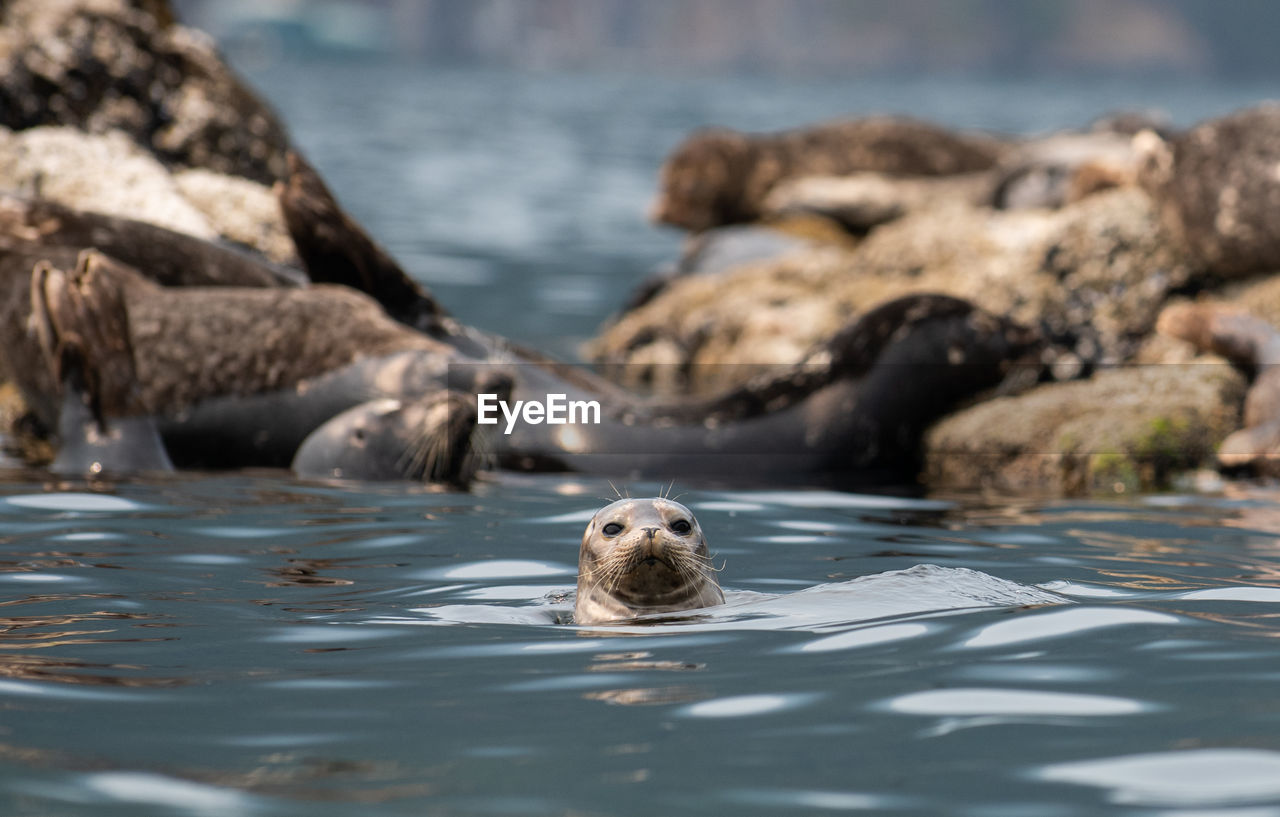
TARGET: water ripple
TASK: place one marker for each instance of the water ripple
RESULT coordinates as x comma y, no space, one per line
500,569
71,502
864,637
1058,623
997,701
66,692
1199,777
825,800
739,706
182,796
1266,595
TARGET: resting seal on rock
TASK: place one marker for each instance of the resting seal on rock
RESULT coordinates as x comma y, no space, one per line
425,440
853,410
93,349
643,556
719,176
1254,344
81,326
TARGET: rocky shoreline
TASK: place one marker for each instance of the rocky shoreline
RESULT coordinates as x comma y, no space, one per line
113,107
1086,236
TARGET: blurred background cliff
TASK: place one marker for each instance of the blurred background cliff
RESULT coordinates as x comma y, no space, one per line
1186,37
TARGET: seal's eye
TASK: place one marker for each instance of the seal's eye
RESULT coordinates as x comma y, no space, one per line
611,529
681,526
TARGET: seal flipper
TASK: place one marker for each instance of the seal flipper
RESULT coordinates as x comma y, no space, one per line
89,445
1248,341
82,326
336,250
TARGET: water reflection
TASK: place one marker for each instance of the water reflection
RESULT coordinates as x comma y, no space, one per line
1047,624
1200,778
71,671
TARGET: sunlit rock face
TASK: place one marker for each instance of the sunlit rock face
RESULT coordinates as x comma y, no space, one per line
102,65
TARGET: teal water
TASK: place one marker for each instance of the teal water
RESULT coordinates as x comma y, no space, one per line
257,645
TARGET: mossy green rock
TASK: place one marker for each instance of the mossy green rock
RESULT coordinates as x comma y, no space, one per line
1125,429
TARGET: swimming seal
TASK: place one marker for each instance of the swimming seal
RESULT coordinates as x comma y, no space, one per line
643,556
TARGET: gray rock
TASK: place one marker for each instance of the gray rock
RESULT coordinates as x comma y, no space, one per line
1126,429
101,65
110,174
1219,191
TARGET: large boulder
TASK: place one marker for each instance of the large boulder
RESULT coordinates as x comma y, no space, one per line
109,173
1125,429
101,65
1218,190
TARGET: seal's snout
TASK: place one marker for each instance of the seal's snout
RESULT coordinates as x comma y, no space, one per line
651,547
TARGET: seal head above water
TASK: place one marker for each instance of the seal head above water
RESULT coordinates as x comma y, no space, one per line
643,556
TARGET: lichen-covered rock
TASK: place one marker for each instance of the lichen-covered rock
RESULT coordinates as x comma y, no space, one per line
125,65
104,173
722,328
1092,275
1125,429
1114,268
239,210
109,174
719,176
1219,191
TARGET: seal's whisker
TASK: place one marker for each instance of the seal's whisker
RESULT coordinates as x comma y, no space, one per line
484,455
416,454
423,454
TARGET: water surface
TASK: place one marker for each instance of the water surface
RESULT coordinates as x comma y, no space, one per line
264,646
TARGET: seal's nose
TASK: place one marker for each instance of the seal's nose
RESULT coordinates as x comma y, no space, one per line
652,546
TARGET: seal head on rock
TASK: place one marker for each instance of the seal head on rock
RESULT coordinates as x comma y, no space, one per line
428,440
643,556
